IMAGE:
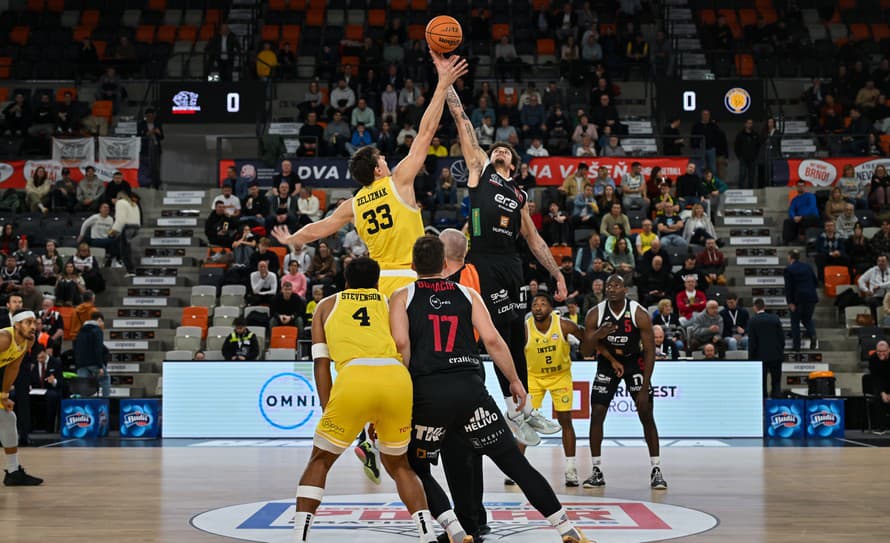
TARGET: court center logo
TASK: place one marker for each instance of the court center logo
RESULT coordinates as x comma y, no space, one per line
382,518
737,100
288,401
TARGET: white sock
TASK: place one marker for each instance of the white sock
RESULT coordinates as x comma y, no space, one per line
513,409
570,462
560,521
12,462
595,460
422,519
452,526
655,460
302,523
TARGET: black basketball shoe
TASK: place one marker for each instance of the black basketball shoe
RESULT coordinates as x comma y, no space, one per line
20,478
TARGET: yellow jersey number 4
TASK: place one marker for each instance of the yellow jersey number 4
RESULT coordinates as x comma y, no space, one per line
361,315
378,219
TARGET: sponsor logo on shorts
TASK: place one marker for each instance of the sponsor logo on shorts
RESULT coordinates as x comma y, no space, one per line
603,378
424,454
480,419
382,518
499,296
329,425
431,434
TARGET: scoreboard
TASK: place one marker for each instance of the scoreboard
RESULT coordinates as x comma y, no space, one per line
726,99
207,102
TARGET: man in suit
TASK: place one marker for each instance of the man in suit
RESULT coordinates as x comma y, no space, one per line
152,134
221,52
800,293
46,374
766,342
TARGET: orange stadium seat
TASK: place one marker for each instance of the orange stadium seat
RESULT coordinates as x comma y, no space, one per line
880,31
612,27
19,35
322,198
5,72
744,65
90,18
736,29
763,4
398,5
885,4
145,33
377,17
4,91
506,89
196,316
499,30
55,5
560,252
846,5
416,32
290,33
100,48
67,314
212,16
60,93
859,32
281,252
283,337
82,32
102,108
315,17
834,276
354,32
317,5
208,30
157,5
349,61
747,17
187,33
297,5
419,5
277,5
769,15
270,33
546,46
885,142
35,6
166,34
707,17
729,14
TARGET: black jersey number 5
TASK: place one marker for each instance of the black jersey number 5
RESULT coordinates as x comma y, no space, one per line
378,219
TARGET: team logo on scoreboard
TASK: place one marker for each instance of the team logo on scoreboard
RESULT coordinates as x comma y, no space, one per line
185,103
382,518
737,100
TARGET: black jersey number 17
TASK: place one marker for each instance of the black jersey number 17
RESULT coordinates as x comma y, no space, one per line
378,219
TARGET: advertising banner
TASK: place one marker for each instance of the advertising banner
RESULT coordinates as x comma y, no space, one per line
140,417
825,418
824,172
554,170
13,173
75,152
785,419
279,399
84,418
120,152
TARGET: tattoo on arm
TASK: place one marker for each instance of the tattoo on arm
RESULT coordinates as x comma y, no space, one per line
464,125
542,252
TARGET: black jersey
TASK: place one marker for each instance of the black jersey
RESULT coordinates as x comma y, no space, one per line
440,319
625,343
495,213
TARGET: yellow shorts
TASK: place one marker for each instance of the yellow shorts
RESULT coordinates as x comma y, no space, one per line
377,390
559,386
392,280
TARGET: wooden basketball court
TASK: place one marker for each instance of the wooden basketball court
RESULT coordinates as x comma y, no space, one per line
134,493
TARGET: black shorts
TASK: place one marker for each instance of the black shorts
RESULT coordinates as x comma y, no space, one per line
500,278
458,405
605,385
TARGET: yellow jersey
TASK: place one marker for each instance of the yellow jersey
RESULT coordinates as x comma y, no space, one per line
388,225
358,327
14,351
646,241
546,353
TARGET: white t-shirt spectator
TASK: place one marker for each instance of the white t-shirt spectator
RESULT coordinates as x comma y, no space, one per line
262,286
310,207
232,204
537,151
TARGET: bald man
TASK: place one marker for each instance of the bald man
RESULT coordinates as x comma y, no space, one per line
707,327
456,267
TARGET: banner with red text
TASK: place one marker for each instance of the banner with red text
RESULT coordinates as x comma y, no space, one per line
13,173
554,170
823,172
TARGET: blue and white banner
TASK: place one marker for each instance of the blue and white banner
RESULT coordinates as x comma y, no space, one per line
279,399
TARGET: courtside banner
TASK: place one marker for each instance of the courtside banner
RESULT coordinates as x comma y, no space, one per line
554,170
824,172
280,400
13,173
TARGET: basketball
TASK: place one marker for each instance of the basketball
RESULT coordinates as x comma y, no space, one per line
444,34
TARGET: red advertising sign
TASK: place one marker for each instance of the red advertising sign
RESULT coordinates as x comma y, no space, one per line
13,173
823,172
554,170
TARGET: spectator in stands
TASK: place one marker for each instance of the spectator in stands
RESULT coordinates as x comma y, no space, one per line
766,342
855,140
569,60
574,280
241,344
690,300
670,231
709,352
566,23
88,267
874,284
830,249
313,100
386,141
669,320
618,232
284,217
622,260
662,55
11,274
605,114
408,96
360,138
311,135
342,98
505,131
801,295
594,296
127,220
244,246
574,184
879,190
219,227
49,264
846,222
295,278
70,286
37,191
481,111
735,324
90,190
336,135
525,180
26,258
288,308
656,284
698,228
835,205
879,368
437,149
32,298
323,267
263,254
707,328
803,213
43,118
665,348
266,62
282,198
714,189
152,133
446,188
94,230
87,59
603,180
389,101
665,199
712,263
591,50
118,184
537,149
90,353
556,226
673,143
584,128
263,285
52,321
507,61
747,150
588,253
17,116
615,216
109,88
309,205
867,97
691,188
633,188
407,131
585,210
533,118
363,114
585,148
713,136
287,61
222,50
63,196
614,148
637,53
255,206
645,237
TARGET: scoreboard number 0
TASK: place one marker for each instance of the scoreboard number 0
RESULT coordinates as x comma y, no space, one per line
689,101
233,102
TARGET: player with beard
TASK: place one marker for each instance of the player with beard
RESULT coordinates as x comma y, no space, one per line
433,322
620,332
15,342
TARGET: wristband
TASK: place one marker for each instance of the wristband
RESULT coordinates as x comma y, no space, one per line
320,350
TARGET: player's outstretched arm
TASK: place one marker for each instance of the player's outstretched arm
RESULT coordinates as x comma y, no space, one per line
320,354
318,229
541,250
398,324
450,70
496,347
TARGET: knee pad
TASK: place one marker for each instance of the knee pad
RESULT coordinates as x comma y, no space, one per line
9,434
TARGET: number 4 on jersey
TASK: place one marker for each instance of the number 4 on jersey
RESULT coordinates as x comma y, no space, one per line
361,315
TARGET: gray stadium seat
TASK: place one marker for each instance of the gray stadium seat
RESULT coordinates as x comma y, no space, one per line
232,295
281,354
203,295
216,335
224,315
211,356
179,355
188,338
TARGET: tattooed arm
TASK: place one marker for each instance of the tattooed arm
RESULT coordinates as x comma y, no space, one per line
474,156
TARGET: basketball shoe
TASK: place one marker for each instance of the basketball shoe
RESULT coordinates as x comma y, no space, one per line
656,480
523,430
367,454
573,539
542,424
571,477
596,479
20,478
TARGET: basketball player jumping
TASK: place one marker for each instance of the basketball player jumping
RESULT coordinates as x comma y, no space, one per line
548,354
498,216
351,328
620,331
433,322
15,342
384,211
